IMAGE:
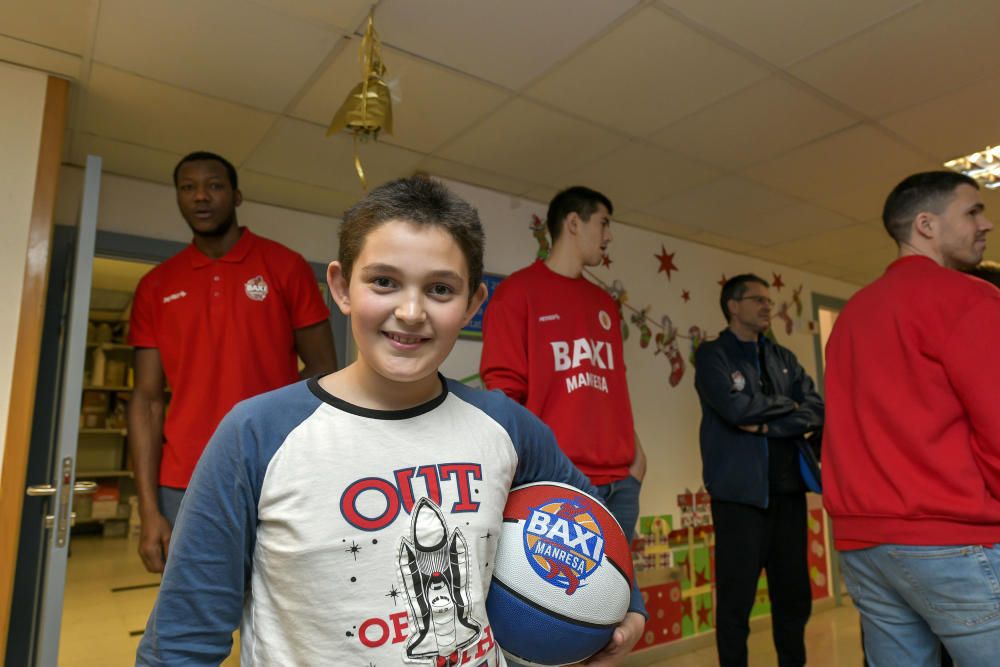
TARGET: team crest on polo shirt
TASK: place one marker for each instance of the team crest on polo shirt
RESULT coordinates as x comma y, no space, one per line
604,319
739,382
256,288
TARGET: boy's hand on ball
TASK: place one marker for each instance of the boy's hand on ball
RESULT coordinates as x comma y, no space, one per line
625,637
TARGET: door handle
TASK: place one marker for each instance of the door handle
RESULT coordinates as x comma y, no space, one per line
43,490
50,520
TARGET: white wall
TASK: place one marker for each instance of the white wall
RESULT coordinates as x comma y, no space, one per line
22,93
142,208
667,418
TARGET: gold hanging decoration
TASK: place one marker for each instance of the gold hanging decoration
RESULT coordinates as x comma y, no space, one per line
368,107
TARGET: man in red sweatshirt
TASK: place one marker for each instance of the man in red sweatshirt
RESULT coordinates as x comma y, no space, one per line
911,451
552,342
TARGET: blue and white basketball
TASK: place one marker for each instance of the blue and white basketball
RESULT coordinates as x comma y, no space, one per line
562,580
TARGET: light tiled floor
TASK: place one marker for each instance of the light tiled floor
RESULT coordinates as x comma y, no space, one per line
833,639
102,627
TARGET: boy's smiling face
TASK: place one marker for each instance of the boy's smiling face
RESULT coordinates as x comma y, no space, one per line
408,297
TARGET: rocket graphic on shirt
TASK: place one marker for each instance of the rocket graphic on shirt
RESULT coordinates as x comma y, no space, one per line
435,569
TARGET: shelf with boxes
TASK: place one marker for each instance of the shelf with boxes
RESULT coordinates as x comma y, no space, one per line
102,455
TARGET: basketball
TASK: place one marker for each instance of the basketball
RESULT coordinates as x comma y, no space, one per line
563,574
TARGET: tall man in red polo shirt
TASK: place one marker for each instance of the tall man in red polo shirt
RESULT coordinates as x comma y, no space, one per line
911,449
223,320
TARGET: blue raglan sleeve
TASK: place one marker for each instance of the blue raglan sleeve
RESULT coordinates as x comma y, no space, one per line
539,459
208,569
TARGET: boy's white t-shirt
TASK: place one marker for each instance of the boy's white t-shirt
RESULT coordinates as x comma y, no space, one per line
337,535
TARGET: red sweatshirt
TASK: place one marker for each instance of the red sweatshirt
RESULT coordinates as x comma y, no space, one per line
554,345
911,447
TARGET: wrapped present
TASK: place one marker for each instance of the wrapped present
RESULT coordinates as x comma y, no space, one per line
818,579
666,614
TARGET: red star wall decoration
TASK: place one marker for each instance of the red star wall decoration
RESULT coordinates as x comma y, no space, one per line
777,283
703,613
722,280
606,261
666,262
686,296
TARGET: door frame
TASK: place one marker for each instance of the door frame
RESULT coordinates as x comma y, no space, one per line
831,303
28,345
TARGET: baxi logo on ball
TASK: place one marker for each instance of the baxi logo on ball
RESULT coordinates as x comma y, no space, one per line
562,577
563,543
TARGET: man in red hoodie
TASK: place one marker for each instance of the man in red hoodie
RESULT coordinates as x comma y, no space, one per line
911,451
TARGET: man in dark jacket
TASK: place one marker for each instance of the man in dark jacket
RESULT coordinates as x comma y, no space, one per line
757,404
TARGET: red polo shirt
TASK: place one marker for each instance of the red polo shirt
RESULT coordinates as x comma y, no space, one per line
225,332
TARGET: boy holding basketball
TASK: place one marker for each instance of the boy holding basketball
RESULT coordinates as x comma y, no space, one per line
353,518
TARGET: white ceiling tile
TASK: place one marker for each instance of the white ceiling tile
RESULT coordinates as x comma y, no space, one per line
722,206
773,227
467,174
758,122
824,269
850,172
256,186
436,103
509,43
991,198
39,57
636,175
783,31
655,224
135,110
124,159
871,263
344,15
300,151
920,54
837,246
57,24
725,242
768,253
860,279
956,124
230,49
542,194
637,90
525,140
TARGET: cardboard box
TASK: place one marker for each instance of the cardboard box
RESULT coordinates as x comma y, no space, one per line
105,501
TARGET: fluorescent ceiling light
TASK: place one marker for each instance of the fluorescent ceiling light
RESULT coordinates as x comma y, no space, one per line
983,166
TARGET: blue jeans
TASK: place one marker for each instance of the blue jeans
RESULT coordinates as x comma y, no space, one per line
622,500
170,502
912,598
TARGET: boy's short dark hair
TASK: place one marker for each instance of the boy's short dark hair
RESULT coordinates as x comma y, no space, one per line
927,191
735,288
422,201
578,199
198,156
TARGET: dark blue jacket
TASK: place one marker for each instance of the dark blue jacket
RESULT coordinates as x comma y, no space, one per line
728,380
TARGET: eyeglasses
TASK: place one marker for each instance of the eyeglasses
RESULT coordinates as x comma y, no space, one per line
759,300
